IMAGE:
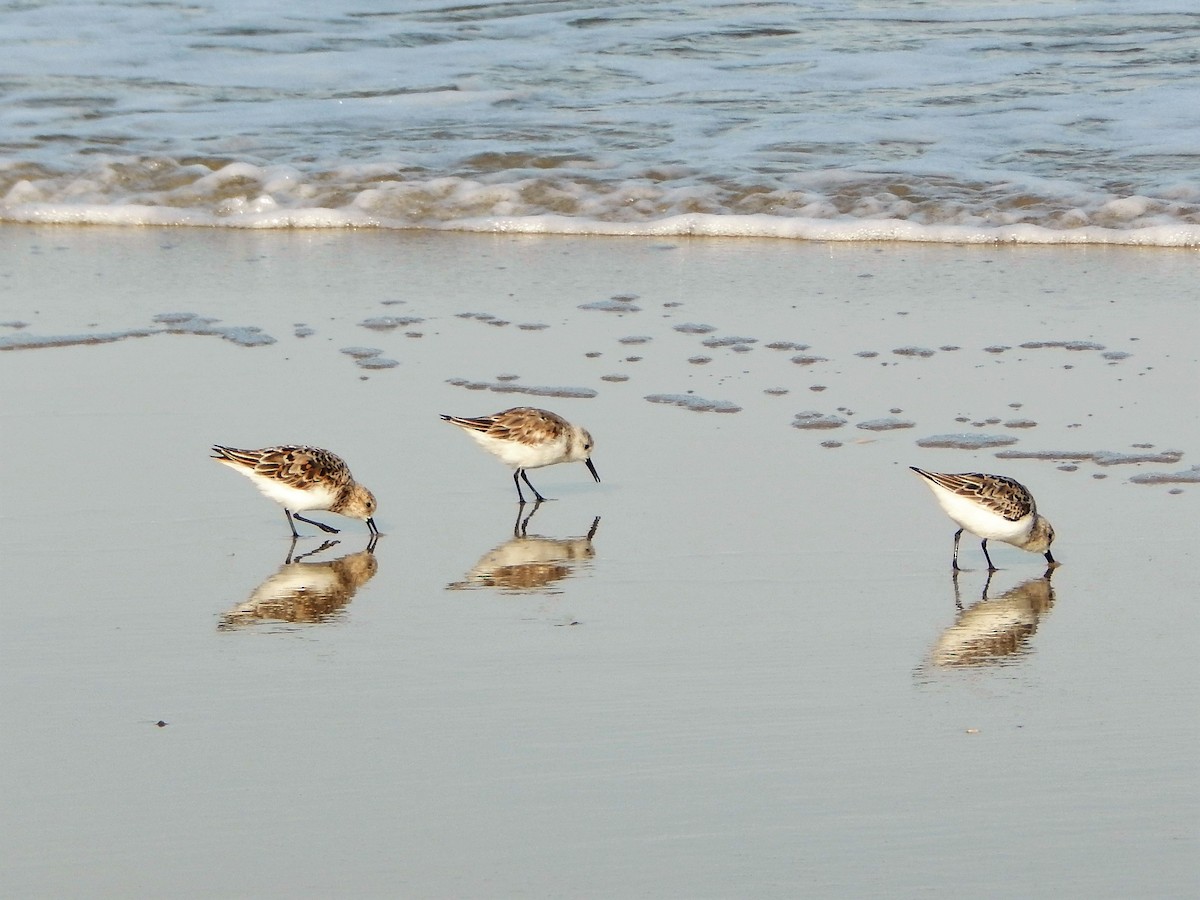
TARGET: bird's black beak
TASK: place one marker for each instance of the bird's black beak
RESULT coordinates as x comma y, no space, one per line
371,525
588,462
1050,559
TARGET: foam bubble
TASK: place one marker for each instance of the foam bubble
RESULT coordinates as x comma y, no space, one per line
886,424
966,441
694,403
499,387
1187,476
811,419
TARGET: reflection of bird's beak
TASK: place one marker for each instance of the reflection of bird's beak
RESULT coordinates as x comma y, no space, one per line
588,462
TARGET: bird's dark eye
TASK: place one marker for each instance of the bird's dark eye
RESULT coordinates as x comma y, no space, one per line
587,446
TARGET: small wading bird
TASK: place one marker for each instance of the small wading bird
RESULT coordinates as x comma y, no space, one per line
994,508
303,478
528,438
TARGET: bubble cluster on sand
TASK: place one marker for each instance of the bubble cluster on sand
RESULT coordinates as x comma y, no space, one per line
613,305
867,354
615,379
889,423
175,318
1187,476
816,388
635,339
694,403
377,362
786,345
1020,423
1116,355
811,419
808,360
1100,457
389,323
507,376
190,323
301,330
533,326
500,387
776,392
922,352
996,348
729,341
361,352
966,441
16,323
699,360
1064,345
34,342
949,348
831,444
695,328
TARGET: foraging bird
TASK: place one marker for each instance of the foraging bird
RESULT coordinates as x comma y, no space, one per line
303,478
993,507
528,438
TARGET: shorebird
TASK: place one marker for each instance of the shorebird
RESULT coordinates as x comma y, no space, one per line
993,507
303,478
528,438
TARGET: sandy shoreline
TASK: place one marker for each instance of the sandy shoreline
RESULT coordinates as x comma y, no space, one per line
734,687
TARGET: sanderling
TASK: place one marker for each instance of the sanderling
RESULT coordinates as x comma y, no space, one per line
994,508
528,438
303,478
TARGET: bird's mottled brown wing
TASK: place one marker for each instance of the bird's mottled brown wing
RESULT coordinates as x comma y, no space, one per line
296,466
1005,496
523,424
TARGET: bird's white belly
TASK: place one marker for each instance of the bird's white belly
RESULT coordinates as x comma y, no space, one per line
981,521
521,456
293,498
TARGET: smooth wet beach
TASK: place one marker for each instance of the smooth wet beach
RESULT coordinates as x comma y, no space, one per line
749,677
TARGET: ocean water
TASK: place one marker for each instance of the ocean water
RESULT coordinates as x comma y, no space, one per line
971,120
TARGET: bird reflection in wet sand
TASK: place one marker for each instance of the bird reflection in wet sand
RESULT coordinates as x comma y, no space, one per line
997,630
528,564
306,592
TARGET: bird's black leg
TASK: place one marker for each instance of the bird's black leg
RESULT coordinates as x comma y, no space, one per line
991,568
328,529
295,534
520,496
987,584
954,561
540,498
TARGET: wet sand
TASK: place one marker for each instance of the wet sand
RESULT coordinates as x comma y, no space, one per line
749,677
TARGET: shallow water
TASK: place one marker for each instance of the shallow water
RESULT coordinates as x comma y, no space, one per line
754,678
974,120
